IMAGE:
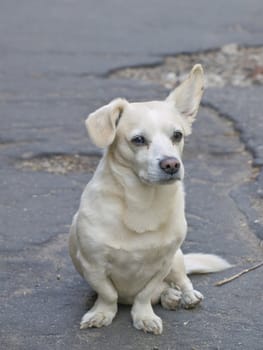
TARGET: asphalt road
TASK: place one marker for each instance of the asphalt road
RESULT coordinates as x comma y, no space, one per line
54,60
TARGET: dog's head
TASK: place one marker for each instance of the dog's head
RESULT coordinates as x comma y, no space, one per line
148,137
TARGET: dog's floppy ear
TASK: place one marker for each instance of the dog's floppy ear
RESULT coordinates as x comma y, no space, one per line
102,123
188,94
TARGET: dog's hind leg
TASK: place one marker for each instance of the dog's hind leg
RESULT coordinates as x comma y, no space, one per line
177,277
168,297
171,298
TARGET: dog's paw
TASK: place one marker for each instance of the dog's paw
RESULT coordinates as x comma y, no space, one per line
151,324
171,298
96,319
191,298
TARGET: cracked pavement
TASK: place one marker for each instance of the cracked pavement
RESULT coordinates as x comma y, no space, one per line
54,60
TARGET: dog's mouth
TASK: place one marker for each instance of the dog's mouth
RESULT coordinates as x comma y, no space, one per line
168,180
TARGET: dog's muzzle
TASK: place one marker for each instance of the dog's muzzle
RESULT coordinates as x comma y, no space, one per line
166,171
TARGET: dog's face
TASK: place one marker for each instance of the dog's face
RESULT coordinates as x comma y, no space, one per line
148,137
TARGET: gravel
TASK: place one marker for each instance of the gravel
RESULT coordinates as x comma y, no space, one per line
229,65
60,164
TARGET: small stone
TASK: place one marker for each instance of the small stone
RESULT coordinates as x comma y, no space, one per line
171,77
230,49
27,155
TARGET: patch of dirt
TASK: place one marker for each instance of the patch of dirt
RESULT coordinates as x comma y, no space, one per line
229,65
61,164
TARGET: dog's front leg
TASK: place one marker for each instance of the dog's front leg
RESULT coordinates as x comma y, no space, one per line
142,312
105,307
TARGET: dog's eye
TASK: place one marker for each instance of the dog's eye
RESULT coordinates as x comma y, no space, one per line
139,140
177,136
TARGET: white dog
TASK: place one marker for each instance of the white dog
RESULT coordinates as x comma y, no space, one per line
125,239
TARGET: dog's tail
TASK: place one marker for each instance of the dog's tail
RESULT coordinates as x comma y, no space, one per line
204,263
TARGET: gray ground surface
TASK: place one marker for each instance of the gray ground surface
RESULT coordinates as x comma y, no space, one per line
54,56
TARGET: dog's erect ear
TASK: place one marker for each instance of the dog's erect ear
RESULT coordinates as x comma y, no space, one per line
188,94
102,123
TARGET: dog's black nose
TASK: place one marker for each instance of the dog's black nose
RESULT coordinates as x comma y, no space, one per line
170,165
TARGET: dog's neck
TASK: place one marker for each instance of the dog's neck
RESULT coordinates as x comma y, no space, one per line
146,207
